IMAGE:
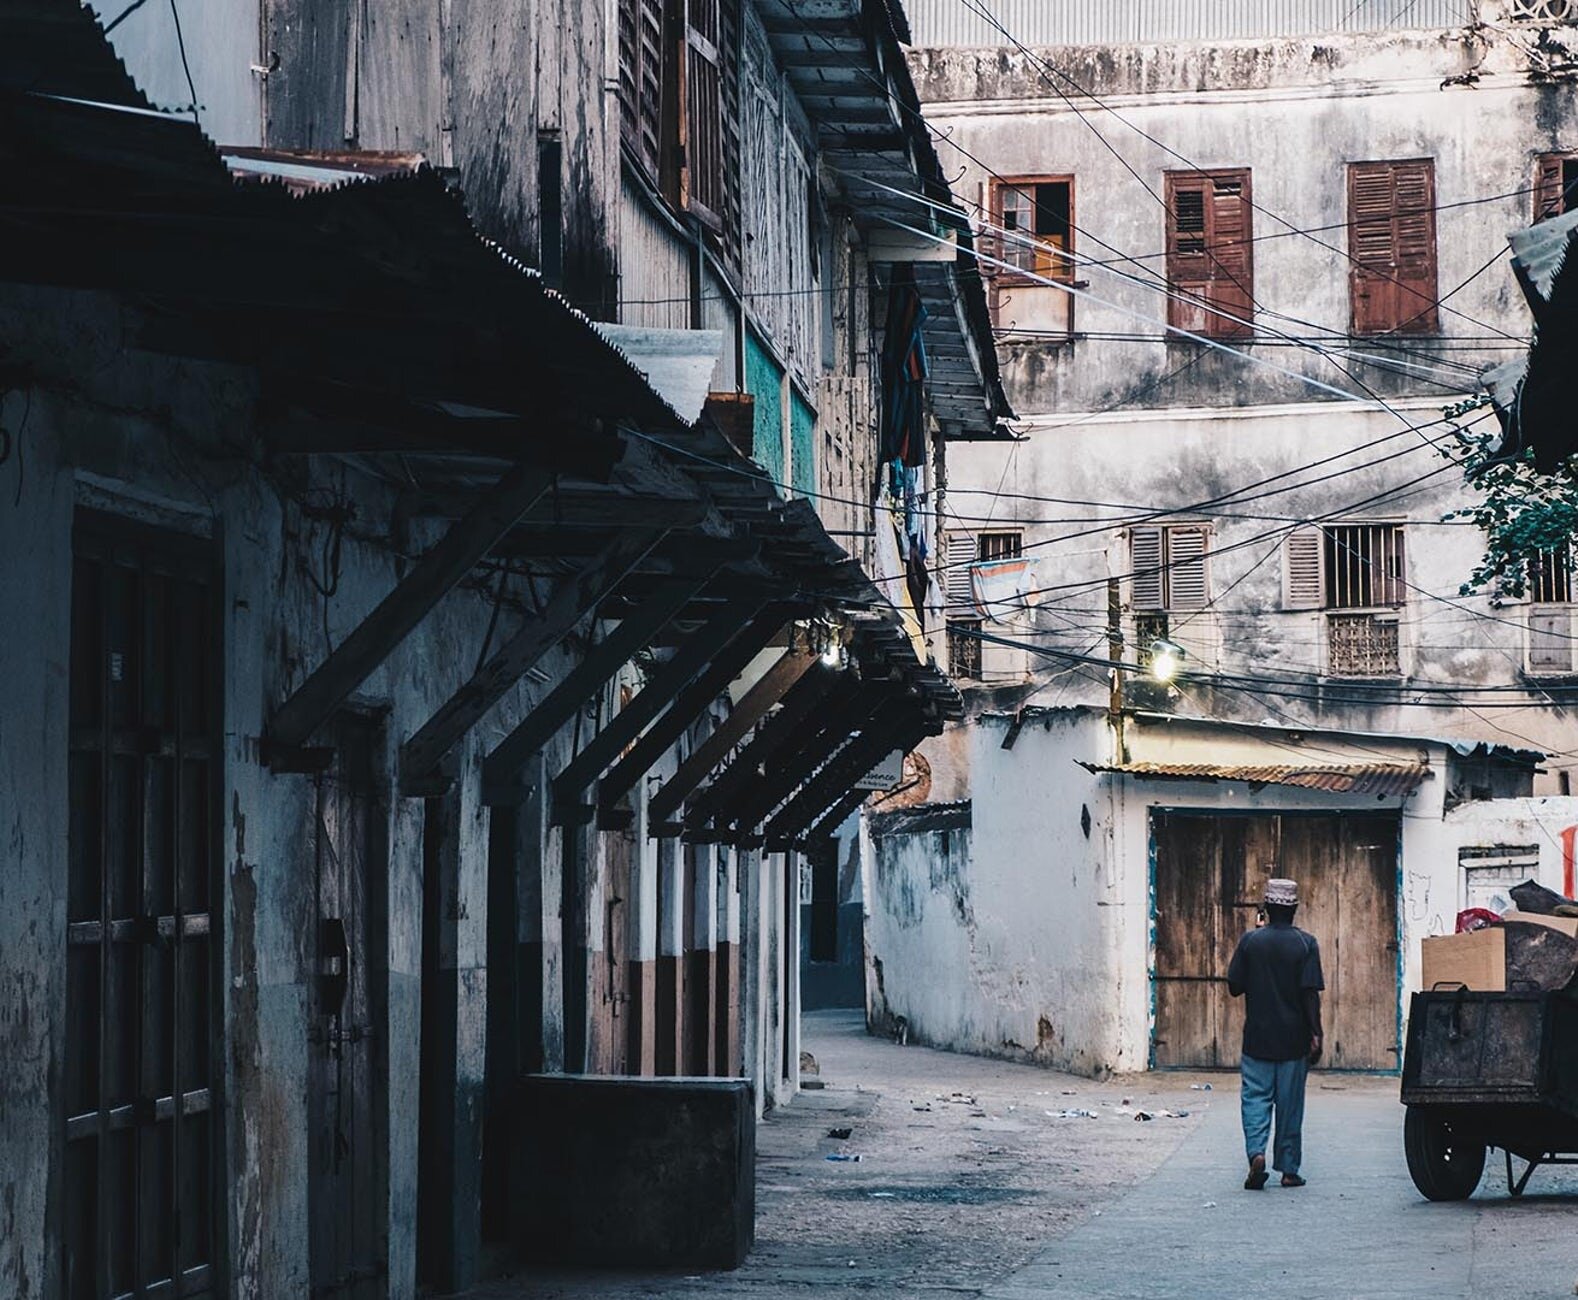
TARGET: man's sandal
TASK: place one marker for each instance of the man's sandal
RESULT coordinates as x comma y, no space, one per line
1257,1174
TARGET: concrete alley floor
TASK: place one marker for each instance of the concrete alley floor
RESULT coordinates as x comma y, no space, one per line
968,1186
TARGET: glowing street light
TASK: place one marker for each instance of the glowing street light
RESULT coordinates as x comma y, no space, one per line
1166,659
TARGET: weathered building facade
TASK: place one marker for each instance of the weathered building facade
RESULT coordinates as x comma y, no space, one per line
1242,270
434,670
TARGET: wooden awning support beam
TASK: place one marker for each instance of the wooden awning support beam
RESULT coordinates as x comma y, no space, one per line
881,734
774,684
698,650
573,598
688,705
820,686
424,585
633,632
801,756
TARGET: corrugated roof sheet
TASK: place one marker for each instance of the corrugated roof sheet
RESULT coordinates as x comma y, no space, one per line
923,819
1334,778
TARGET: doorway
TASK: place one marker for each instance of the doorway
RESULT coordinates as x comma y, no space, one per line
143,1203
1210,869
347,1072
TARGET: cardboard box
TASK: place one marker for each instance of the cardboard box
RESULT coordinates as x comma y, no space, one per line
1568,925
1477,960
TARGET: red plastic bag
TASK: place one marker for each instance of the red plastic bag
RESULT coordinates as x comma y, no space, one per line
1476,918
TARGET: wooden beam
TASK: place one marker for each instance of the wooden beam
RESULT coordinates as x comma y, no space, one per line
802,754
688,705
589,676
624,727
424,585
829,785
774,684
819,686
573,598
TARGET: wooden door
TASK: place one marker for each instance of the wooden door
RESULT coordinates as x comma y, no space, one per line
1350,906
347,1083
142,1206
1210,873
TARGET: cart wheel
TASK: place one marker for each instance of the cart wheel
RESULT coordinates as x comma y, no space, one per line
1445,1166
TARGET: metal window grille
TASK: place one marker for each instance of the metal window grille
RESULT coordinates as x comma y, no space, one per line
141,1202
1543,13
1148,629
1550,578
1364,566
1363,645
1000,546
964,649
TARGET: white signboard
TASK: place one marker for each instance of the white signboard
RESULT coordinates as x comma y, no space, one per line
885,775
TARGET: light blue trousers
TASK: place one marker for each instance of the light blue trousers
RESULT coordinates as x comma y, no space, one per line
1274,1086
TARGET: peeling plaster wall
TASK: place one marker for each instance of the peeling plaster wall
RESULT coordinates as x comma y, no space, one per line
1176,457
1293,111
1023,938
1004,939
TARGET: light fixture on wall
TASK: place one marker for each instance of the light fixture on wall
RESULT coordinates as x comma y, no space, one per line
1166,659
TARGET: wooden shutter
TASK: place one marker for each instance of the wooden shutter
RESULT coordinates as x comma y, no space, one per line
958,556
1550,640
1304,569
702,162
1549,198
1210,253
1392,246
1188,582
641,81
1145,565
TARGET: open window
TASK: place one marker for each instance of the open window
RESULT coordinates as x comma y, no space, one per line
1357,574
1210,253
1035,220
1392,247
1555,184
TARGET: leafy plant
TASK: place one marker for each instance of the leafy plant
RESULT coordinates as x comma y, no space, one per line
1522,512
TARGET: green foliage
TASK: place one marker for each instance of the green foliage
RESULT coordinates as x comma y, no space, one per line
1522,512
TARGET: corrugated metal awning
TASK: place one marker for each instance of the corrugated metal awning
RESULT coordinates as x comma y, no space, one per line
1334,778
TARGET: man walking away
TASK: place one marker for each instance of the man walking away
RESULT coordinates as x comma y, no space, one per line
1276,969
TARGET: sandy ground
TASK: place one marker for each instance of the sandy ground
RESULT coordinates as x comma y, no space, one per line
963,1174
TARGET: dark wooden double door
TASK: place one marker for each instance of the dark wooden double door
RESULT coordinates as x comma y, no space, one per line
1210,871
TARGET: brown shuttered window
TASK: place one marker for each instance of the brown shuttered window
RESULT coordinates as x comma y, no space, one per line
679,100
1392,245
641,82
1210,258
1555,184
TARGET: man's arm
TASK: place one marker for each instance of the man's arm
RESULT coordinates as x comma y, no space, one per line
1312,1019
1235,971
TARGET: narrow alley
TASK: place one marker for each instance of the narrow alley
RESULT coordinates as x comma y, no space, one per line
970,1182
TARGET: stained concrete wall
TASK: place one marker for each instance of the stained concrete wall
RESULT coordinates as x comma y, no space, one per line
1294,112
168,444
1171,459
1031,939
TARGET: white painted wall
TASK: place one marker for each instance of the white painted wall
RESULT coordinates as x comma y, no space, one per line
1024,938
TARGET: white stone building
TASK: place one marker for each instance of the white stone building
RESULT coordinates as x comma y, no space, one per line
1238,279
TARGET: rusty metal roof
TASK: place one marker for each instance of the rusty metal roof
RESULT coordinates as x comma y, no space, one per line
1334,778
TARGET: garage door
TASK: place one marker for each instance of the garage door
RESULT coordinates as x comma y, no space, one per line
1210,870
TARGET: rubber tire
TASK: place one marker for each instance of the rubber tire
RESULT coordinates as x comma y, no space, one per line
1444,1167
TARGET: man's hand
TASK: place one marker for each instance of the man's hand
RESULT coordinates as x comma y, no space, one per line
1315,1050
